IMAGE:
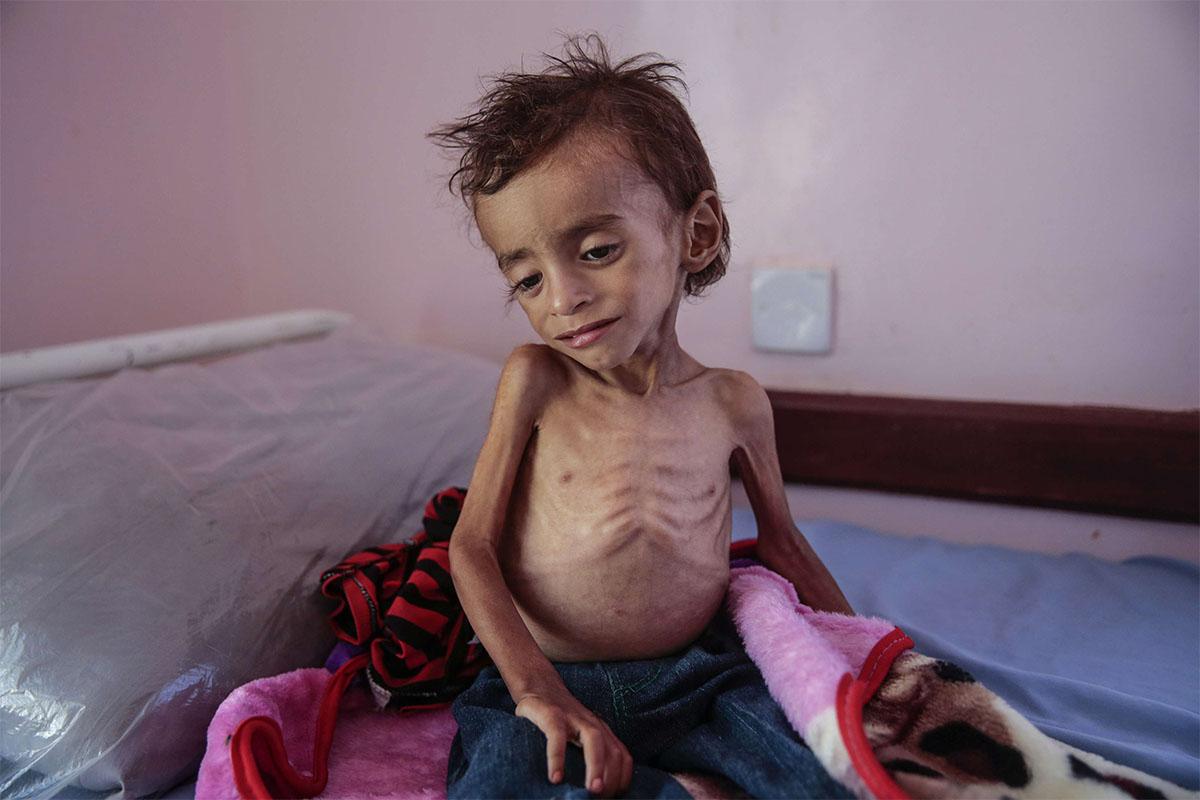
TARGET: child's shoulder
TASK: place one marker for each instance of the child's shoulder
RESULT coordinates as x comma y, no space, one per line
534,363
735,386
532,371
743,398
531,356
528,380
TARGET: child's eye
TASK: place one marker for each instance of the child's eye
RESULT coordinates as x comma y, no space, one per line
526,285
608,248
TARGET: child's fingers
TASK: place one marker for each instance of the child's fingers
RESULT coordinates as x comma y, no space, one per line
614,776
614,773
594,757
556,752
611,773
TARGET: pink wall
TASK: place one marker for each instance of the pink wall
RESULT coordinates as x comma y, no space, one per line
1008,192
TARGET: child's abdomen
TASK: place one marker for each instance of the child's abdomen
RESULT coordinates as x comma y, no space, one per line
617,548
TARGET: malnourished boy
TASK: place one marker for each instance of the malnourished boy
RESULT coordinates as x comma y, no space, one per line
592,553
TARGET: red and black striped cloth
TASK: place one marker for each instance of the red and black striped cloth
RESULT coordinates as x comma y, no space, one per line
398,601
397,606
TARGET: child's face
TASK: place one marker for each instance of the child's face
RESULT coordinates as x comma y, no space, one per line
625,270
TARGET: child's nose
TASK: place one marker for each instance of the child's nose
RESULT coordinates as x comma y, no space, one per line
569,295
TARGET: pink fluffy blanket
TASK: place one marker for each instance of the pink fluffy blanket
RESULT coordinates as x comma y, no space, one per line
884,721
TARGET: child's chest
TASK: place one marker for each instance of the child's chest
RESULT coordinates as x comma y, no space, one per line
604,475
593,444
617,536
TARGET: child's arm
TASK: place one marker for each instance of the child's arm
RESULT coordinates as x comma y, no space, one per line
781,547
536,687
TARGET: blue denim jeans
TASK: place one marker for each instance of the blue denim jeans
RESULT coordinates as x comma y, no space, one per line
703,709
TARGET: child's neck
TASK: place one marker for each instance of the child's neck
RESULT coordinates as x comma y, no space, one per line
658,363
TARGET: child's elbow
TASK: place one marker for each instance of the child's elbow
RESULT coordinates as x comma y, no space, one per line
465,551
457,550
782,542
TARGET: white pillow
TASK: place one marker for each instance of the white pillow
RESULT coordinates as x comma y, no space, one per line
163,533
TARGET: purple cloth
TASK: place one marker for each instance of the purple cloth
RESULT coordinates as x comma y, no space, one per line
341,653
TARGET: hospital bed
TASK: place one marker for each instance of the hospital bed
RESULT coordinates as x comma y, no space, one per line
163,525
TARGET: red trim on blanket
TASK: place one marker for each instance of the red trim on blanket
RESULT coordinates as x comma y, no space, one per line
259,757
744,548
852,695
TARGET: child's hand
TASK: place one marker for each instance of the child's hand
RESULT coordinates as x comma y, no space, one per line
564,719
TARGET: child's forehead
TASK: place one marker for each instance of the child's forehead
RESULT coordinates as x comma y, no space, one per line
563,190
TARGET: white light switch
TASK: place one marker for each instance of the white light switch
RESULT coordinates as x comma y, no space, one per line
792,309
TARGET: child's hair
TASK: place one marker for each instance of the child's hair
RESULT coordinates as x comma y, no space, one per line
523,117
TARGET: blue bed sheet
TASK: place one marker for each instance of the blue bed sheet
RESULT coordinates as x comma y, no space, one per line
1100,655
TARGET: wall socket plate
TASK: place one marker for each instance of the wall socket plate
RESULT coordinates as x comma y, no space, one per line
792,310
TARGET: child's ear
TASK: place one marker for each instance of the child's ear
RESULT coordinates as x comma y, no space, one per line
702,226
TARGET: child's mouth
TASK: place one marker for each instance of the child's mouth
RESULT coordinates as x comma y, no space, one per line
589,336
